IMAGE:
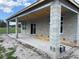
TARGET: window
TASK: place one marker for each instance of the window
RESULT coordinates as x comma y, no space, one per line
33,28
24,25
61,29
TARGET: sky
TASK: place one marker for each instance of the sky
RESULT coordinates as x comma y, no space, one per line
10,7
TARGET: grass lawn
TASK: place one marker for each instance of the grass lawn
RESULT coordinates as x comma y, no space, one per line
7,53
2,30
11,30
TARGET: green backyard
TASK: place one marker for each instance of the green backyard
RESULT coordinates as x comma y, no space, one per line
3,30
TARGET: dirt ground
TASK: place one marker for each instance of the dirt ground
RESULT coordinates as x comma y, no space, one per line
21,52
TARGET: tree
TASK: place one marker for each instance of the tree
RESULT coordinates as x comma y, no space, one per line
2,23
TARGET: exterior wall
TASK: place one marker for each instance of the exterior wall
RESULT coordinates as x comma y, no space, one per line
42,26
78,26
70,26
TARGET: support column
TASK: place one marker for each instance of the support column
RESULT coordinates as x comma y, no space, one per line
16,27
21,27
78,26
54,32
7,27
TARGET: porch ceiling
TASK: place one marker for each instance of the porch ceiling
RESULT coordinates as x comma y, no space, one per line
37,14
43,13
66,11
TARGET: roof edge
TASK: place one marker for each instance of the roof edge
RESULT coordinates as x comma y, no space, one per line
28,7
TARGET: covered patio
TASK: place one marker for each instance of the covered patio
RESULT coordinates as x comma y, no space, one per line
48,26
